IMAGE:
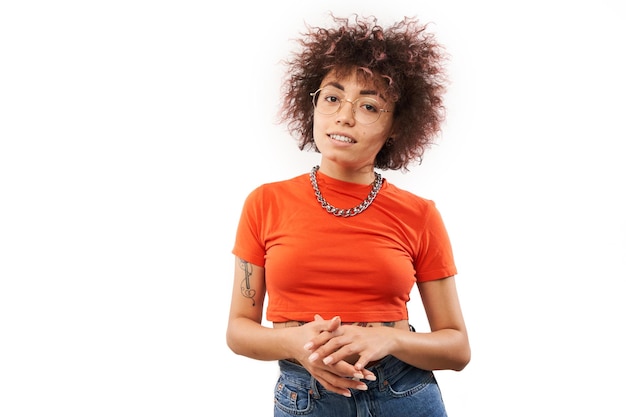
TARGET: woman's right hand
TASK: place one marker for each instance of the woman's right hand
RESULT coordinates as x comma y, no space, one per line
339,377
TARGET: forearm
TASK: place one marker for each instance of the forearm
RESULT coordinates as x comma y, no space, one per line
249,338
442,349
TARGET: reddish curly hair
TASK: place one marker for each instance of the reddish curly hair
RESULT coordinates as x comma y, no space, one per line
404,58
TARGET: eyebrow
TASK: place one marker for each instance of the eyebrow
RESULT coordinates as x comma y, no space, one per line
362,92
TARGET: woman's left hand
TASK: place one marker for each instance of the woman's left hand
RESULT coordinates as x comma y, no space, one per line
348,342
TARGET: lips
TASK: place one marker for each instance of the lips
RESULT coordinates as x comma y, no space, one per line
342,138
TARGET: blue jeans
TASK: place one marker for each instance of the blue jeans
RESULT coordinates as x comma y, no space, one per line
401,390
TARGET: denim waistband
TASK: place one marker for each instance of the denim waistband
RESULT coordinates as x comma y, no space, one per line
386,368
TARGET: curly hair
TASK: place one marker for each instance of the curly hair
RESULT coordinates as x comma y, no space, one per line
404,58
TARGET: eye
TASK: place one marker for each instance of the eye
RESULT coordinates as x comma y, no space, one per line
330,98
370,106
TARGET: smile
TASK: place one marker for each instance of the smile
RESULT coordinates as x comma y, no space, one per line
342,138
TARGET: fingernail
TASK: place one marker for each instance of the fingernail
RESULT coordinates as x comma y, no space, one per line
327,360
371,377
358,375
313,357
308,346
361,387
347,394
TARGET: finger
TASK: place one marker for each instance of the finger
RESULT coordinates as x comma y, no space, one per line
335,323
337,390
366,373
346,370
369,375
334,350
362,362
317,343
326,332
329,325
340,384
333,388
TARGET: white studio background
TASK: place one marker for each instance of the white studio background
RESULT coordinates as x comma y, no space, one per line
131,131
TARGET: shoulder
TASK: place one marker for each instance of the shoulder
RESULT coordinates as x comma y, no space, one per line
278,189
408,198
277,186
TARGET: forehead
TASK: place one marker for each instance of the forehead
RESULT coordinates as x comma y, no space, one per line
354,78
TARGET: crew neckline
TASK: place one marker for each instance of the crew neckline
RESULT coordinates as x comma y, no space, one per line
331,181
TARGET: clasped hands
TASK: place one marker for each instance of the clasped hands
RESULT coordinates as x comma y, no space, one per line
329,353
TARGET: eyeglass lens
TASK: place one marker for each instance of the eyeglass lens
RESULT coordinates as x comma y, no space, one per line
328,101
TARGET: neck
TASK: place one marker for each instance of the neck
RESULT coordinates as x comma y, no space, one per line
364,175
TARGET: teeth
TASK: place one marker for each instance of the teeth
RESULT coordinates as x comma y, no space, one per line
342,138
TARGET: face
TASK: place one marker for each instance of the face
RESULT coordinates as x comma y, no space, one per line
344,138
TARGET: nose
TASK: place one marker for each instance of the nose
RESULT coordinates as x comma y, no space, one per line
346,113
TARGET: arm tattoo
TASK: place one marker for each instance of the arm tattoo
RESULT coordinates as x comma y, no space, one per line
246,289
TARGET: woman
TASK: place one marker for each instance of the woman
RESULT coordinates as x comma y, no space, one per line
338,250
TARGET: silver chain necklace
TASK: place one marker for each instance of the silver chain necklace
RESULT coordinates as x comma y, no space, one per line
378,182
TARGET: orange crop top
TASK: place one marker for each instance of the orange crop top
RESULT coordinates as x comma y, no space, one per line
360,268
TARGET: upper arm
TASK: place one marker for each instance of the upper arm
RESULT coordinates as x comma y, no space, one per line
441,304
248,293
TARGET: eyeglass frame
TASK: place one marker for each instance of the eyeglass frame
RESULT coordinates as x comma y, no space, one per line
352,102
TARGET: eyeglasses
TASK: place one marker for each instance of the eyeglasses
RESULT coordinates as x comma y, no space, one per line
328,101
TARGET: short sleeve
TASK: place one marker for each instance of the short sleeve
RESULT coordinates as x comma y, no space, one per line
435,259
249,242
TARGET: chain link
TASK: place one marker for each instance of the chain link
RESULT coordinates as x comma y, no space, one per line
378,182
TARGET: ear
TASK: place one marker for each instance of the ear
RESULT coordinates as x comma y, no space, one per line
391,134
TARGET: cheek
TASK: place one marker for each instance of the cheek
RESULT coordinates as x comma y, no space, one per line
317,129
321,125
318,134
377,138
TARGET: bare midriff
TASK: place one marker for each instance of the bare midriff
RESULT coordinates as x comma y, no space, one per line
401,325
